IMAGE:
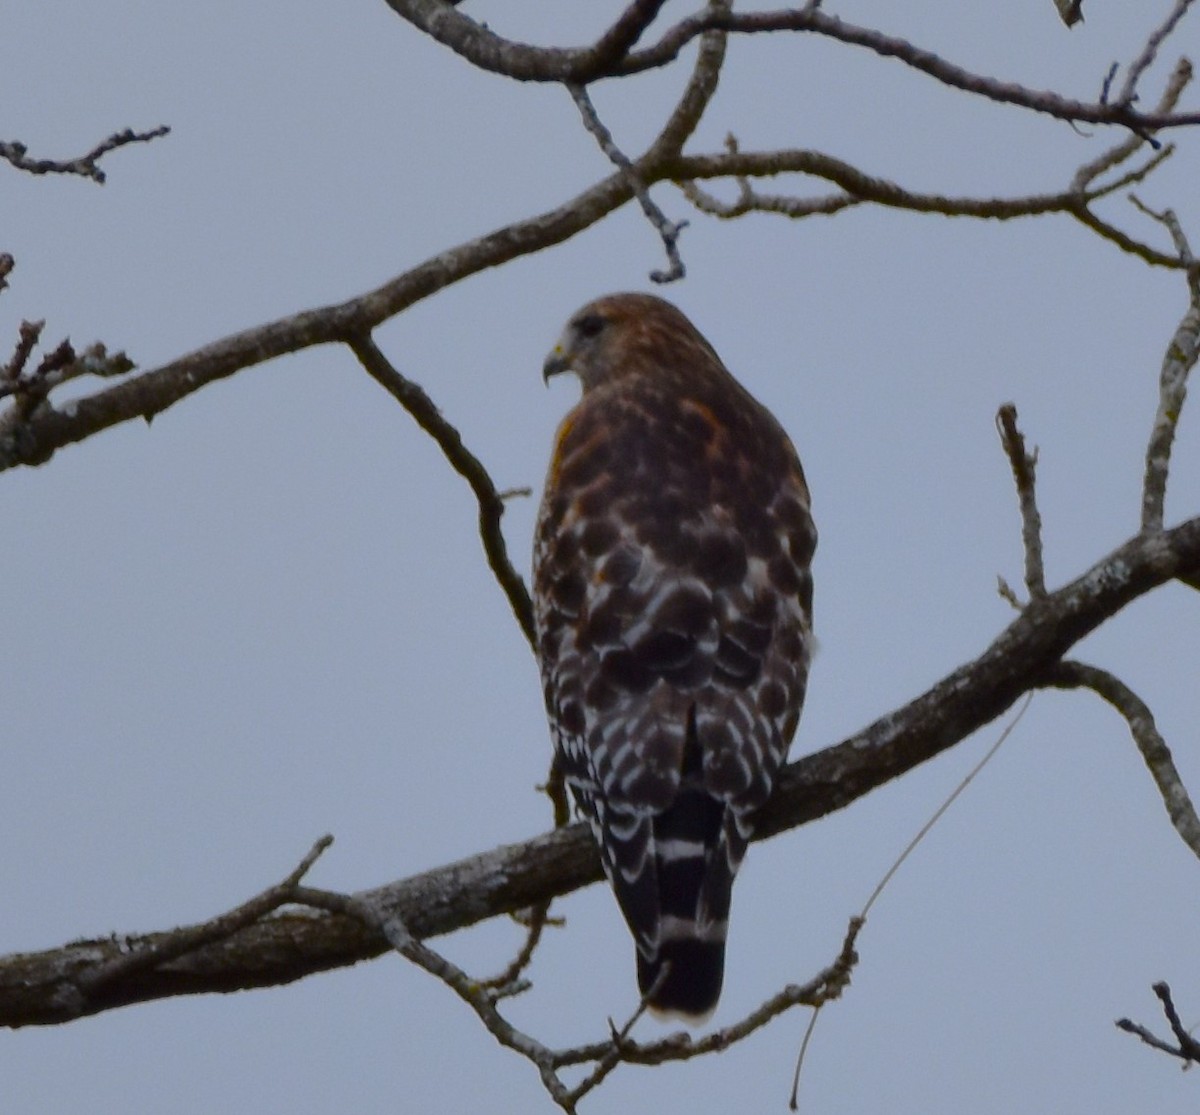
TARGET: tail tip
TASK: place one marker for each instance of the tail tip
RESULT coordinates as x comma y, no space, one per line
689,989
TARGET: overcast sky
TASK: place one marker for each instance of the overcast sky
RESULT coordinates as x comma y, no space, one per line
267,616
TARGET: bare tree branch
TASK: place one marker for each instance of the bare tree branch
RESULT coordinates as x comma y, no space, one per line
1186,1048
86,166
813,21
668,230
490,51
1181,75
701,86
1178,361
1076,200
1143,62
603,1056
859,185
1155,752
31,433
34,440
1024,465
34,986
127,965
491,507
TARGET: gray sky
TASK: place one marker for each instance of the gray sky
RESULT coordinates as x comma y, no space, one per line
267,616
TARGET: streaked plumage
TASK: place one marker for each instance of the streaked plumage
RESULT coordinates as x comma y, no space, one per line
673,600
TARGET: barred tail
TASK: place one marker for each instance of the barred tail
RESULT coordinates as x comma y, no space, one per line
673,872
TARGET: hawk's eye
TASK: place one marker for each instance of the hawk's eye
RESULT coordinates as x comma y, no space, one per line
589,325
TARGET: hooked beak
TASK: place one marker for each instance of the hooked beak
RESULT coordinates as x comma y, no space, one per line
556,363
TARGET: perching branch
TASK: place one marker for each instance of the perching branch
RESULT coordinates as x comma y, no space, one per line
86,166
34,986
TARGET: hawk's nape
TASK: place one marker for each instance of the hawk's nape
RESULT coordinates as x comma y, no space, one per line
673,600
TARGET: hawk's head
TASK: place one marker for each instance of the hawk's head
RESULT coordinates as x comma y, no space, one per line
625,334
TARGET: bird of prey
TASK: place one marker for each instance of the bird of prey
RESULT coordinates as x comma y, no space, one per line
673,603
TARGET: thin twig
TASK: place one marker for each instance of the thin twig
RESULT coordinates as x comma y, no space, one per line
1128,95
27,338
85,165
860,920
1024,466
181,942
1005,591
54,369
618,1040
536,921
1187,1048
603,1056
1181,75
825,986
750,201
1123,240
941,809
667,229
1154,750
1178,361
794,1098
417,402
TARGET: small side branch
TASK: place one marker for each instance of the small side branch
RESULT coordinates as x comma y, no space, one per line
1128,95
667,229
1154,750
1181,75
187,940
86,166
29,387
751,201
105,983
1186,1048
491,507
1178,361
604,1056
1024,466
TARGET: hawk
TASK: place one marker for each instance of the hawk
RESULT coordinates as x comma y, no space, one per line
673,604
